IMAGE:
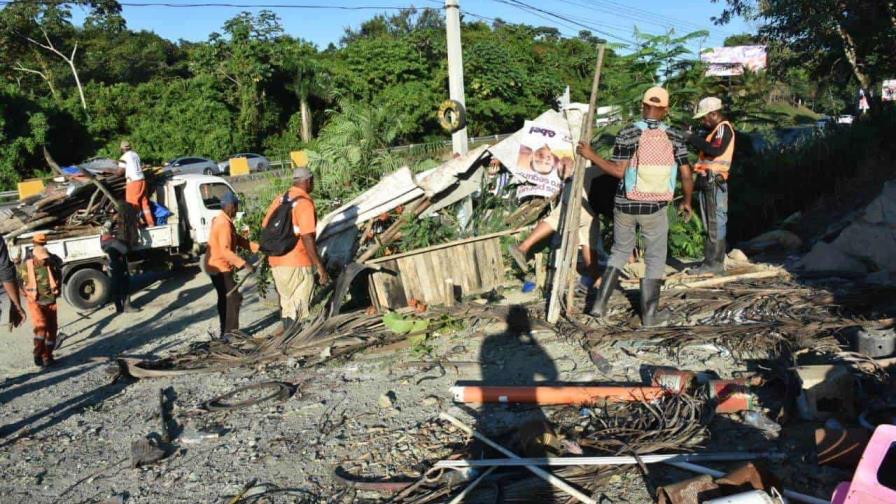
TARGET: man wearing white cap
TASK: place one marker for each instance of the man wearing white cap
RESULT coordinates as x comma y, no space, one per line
289,240
648,156
135,191
716,153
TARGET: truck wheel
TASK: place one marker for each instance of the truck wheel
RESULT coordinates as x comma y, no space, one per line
87,289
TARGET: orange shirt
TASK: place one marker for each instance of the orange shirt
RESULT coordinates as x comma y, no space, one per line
304,221
222,244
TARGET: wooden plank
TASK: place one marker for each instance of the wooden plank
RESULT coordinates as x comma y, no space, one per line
410,281
564,272
446,245
441,263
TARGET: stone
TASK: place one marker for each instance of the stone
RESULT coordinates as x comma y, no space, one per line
872,242
827,391
883,209
387,400
826,257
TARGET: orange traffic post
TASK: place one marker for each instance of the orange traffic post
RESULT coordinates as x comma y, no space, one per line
554,395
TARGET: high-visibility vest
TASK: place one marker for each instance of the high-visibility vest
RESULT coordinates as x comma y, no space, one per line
721,164
31,281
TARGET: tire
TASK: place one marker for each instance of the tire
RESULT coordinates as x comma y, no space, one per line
208,171
452,116
87,289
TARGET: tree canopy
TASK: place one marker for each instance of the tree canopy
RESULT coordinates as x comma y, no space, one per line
253,87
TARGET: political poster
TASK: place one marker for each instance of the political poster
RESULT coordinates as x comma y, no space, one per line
545,153
731,61
888,91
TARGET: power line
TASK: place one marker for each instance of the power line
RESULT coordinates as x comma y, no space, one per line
256,6
532,9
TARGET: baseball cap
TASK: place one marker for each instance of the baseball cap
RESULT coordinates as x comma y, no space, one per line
229,199
301,174
656,96
707,105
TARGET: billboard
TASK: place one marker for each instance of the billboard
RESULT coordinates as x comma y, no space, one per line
728,61
888,91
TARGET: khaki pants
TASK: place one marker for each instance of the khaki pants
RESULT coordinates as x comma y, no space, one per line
294,286
589,227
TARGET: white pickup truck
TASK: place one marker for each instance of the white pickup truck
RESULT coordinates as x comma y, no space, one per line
194,200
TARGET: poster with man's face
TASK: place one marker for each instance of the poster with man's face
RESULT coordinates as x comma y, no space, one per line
545,155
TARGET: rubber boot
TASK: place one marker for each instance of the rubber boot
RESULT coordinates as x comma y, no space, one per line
288,323
128,307
49,346
651,315
608,283
713,259
39,349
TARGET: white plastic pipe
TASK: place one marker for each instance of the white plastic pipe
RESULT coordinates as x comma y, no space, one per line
605,461
541,473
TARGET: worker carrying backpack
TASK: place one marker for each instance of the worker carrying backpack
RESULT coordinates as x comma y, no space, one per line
651,174
278,237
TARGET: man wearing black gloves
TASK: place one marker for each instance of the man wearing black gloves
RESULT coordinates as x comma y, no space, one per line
716,153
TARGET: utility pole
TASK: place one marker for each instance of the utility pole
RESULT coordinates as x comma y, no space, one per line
455,69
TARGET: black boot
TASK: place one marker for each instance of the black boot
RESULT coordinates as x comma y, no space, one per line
713,258
128,307
608,283
288,323
651,315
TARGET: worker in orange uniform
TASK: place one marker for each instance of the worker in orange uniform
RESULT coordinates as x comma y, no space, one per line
40,274
223,241
292,250
136,191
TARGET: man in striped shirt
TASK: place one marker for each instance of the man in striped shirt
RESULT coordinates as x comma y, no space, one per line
650,216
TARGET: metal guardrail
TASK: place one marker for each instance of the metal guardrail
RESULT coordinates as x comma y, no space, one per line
9,195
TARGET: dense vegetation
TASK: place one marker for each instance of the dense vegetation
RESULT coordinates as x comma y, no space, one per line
252,87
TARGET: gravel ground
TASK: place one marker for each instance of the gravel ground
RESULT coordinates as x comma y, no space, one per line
66,433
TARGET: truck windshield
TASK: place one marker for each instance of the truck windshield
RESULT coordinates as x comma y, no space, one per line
212,193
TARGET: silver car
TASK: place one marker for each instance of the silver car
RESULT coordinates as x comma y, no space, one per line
257,162
193,164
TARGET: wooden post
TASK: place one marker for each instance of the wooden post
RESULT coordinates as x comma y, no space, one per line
564,259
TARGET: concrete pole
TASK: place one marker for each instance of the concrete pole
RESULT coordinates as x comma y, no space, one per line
455,69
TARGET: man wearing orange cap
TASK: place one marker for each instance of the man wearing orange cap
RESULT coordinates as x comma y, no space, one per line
40,276
647,157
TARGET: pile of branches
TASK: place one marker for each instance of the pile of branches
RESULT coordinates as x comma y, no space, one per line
322,339
83,203
672,424
761,317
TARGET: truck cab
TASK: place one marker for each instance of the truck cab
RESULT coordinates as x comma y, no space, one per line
193,200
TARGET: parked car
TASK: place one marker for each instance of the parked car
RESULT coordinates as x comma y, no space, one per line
193,164
845,119
257,162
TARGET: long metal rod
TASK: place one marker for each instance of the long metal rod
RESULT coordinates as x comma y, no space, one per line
460,497
605,461
564,263
541,473
808,499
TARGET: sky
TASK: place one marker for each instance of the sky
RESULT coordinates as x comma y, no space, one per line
614,20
